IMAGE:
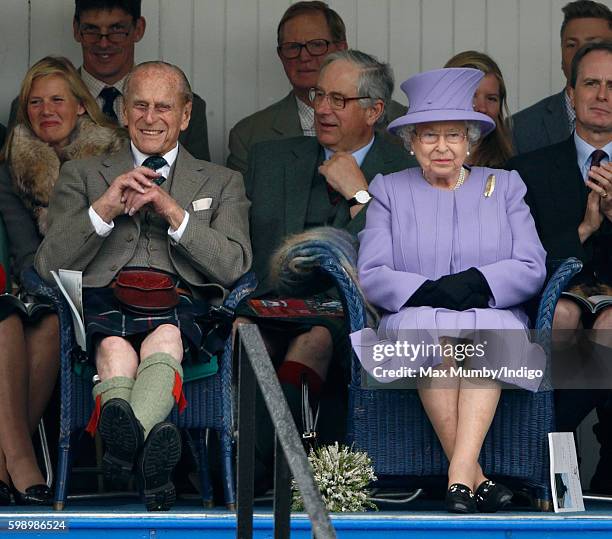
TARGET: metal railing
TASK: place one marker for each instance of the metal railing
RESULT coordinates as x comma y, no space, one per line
255,369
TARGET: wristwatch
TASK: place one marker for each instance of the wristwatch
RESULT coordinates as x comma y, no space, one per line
361,197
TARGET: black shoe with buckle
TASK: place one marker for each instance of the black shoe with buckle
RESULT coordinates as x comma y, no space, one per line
491,496
160,454
122,435
460,499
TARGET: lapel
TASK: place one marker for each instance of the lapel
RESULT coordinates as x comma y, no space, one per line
188,178
565,184
116,164
375,160
299,172
287,120
556,121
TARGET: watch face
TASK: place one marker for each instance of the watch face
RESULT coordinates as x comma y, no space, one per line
362,197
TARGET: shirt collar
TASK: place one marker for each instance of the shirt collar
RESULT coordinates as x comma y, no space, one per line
95,86
569,109
359,155
170,158
306,116
584,151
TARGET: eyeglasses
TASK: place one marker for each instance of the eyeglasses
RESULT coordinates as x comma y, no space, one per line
292,49
336,101
453,137
93,36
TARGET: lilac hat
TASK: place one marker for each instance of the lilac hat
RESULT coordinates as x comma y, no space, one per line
443,95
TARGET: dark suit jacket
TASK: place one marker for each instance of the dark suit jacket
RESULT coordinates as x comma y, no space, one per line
279,182
557,195
540,125
279,121
194,138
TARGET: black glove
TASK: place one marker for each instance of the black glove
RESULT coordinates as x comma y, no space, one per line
461,291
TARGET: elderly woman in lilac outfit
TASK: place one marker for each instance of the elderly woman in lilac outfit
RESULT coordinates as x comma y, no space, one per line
448,251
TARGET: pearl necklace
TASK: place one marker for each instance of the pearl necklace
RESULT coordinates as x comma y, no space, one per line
460,179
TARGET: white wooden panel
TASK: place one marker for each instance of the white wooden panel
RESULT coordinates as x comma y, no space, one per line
13,52
373,27
347,9
503,44
437,33
534,51
51,30
272,83
469,25
227,47
208,70
404,42
240,62
148,47
176,32
557,78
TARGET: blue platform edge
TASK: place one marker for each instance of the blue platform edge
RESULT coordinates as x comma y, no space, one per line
223,525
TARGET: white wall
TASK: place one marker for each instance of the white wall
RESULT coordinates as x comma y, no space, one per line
227,47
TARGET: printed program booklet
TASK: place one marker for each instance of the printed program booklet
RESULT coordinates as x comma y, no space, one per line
592,298
30,310
314,306
564,474
593,304
70,283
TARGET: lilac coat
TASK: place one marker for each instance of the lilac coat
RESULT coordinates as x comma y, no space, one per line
416,232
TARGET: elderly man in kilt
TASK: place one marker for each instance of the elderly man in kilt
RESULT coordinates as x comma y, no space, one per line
159,236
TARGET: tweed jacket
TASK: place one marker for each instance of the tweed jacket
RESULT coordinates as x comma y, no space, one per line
557,196
540,125
212,254
279,121
279,183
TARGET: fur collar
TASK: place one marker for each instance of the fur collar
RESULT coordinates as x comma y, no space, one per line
35,165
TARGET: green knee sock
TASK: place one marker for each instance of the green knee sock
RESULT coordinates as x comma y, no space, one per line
118,387
152,398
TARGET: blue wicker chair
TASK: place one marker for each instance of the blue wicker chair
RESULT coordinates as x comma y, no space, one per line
392,427
209,399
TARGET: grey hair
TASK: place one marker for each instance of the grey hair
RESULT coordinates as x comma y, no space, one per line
185,90
406,131
375,78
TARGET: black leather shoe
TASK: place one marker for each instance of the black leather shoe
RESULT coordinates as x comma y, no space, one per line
122,435
160,454
5,494
34,495
460,499
491,496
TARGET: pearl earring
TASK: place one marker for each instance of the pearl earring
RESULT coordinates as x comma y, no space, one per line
411,152
468,152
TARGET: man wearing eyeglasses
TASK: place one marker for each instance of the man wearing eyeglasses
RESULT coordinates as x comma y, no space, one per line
306,34
300,183
108,31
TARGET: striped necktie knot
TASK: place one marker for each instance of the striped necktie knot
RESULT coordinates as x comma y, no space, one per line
155,162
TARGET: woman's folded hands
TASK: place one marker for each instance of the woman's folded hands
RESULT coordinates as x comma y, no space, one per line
461,291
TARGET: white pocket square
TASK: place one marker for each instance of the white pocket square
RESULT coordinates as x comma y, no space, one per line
202,204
